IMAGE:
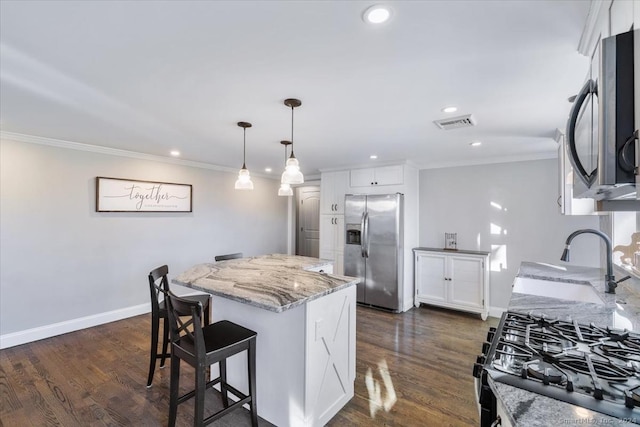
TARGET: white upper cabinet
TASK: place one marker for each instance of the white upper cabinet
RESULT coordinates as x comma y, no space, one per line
621,16
568,204
333,187
385,175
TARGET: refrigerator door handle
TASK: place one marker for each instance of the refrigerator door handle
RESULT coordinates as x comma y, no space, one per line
362,234
366,235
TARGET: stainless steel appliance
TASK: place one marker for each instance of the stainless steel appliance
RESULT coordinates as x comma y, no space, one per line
601,132
594,367
373,248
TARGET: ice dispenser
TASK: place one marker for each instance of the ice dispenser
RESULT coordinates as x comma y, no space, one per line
353,234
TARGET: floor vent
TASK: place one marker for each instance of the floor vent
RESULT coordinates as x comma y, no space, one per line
456,122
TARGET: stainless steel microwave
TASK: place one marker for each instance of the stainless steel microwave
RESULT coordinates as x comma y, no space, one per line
601,133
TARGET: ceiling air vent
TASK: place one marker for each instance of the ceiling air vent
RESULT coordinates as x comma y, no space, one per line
456,122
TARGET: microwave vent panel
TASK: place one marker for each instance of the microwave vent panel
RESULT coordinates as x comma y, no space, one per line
456,122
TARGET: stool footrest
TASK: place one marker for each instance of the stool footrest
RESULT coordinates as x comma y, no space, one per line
225,411
192,393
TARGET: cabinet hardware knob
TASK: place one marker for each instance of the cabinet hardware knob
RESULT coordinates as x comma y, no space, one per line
376,182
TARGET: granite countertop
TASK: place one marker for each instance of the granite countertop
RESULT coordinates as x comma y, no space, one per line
273,282
620,310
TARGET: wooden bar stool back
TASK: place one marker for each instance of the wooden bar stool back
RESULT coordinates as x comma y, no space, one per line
159,287
201,347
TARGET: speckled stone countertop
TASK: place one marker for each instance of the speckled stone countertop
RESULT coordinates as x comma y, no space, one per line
273,282
620,310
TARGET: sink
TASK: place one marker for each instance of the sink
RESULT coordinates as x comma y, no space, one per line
562,290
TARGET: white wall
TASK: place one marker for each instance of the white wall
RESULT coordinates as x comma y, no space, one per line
61,260
458,200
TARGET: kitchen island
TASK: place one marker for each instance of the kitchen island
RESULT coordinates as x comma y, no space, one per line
305,319
621,311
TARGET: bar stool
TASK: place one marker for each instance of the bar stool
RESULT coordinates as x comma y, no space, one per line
228,256
159,286
201,347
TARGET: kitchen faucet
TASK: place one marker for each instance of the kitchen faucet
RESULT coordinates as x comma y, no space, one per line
609,278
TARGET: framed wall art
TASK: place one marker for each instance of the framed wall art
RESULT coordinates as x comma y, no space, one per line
131,195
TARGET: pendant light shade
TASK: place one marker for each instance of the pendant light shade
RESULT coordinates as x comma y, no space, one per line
285,188
244,178
292,174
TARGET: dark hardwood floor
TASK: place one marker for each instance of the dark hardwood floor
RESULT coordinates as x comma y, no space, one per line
413,369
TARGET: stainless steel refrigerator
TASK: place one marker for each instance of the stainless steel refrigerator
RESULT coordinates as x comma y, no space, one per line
374,246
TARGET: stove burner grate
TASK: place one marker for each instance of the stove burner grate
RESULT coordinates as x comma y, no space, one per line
578,363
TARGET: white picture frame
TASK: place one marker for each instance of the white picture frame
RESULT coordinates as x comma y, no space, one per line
132,195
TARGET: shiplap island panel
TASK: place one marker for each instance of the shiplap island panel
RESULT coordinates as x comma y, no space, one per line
305,319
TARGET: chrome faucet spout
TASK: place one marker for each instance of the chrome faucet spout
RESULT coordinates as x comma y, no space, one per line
609,278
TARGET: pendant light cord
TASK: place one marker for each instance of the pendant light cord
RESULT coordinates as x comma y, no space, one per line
244,148
292,155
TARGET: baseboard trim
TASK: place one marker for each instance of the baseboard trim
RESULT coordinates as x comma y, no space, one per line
47,331
496,311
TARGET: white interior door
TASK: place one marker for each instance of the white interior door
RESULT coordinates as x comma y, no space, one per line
308,242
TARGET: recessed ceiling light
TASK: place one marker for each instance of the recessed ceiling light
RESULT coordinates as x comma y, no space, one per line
175,153
373,157
377,14
475,143
267,169
450,109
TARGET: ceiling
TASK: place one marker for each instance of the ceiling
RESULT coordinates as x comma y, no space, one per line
153,76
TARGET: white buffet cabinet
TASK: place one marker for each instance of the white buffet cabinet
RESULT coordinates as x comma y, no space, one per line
453,279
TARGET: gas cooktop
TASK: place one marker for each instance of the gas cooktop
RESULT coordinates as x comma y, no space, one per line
586,365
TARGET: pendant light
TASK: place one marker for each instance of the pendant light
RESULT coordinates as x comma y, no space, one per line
244,179
285,189
292,174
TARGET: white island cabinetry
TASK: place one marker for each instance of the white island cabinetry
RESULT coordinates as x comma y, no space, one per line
452,279
305,320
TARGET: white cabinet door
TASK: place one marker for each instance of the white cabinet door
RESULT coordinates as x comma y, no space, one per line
430,276
327,233
327,202
452,280
332,240
567,203
621,16
362,177
340,188
338,263
389,175
333,187
339,233
385,175
466,281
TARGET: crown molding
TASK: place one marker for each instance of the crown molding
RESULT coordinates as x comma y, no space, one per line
60,143
490,161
